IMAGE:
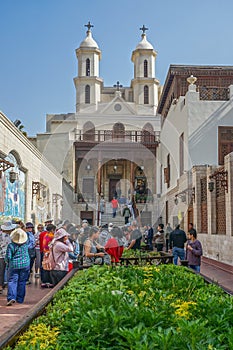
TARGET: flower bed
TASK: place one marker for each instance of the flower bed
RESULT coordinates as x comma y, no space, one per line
136,308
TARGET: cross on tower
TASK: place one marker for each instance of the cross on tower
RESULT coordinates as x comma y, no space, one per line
118,86
89,25
143,29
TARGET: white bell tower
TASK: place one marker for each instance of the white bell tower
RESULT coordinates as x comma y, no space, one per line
88,83
144,84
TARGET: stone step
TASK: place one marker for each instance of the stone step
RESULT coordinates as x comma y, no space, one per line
106,218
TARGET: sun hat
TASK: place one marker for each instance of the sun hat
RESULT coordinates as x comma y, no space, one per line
110,226
60,233
8,226
19,236
29,225
48,220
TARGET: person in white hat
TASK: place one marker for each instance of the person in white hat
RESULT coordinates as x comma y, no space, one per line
60,247
5,231
18,263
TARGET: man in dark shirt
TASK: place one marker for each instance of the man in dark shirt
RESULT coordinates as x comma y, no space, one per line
135,236
177,241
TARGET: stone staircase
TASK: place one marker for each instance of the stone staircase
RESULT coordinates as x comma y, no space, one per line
106,218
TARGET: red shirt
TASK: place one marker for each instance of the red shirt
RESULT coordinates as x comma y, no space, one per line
114,203
48,237
112,248
41,238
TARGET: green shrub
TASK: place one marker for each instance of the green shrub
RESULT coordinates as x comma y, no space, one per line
136,308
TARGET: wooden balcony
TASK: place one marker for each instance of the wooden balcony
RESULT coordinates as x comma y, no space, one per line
143,137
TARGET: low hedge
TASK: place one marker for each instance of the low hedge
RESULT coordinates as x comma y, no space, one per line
162,307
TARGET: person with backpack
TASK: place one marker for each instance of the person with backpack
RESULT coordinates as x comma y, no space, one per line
126,213
59,250
46,281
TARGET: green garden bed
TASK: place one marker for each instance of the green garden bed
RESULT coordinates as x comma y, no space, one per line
137,308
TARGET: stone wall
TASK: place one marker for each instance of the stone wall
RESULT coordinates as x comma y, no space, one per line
36,169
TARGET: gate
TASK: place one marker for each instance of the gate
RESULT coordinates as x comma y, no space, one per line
220,209
204,211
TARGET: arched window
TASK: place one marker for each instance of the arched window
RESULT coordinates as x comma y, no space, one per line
89,131
146,95
145,69
147,133
87,94
87,67
118,131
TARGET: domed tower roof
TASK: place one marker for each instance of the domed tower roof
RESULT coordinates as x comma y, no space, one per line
144,44
89,42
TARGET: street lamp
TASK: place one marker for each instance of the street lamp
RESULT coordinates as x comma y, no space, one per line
56,197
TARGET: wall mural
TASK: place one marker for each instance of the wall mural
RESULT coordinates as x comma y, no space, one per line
12,195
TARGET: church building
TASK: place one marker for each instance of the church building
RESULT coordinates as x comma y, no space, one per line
108,146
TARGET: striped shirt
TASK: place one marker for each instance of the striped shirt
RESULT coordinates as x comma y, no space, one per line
17,256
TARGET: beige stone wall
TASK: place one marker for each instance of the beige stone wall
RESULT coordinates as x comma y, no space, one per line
36,167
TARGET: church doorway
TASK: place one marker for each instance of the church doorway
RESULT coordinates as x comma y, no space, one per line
87,215
113,188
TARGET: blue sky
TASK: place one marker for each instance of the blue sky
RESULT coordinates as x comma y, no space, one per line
38,39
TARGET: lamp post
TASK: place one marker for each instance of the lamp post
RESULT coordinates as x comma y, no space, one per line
56,197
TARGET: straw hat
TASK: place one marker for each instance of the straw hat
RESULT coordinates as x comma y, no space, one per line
8,226
48,220
19,236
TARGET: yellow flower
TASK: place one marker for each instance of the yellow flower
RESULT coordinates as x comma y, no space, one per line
130,292
142,294
183,309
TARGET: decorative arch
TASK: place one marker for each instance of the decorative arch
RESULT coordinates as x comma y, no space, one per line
147,133
146,95
118,131
13,189
89,131
87,94
87,67
145,68
17,157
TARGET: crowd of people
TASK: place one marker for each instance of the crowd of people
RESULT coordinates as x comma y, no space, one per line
48,252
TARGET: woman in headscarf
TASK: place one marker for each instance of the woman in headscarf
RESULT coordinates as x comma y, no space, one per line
60,248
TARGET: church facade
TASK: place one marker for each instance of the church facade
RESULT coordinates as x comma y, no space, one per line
169,150
108,146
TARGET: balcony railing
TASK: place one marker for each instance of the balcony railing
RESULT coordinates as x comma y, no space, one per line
144,137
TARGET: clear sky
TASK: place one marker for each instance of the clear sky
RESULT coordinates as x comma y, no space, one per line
38,39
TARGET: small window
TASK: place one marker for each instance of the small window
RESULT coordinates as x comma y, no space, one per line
181,154
87,67
167,172
146,95
145,69
87,94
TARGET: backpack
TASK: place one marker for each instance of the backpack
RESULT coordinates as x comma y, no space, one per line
48,262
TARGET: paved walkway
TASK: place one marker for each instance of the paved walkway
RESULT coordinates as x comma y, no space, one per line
220,273
10,315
